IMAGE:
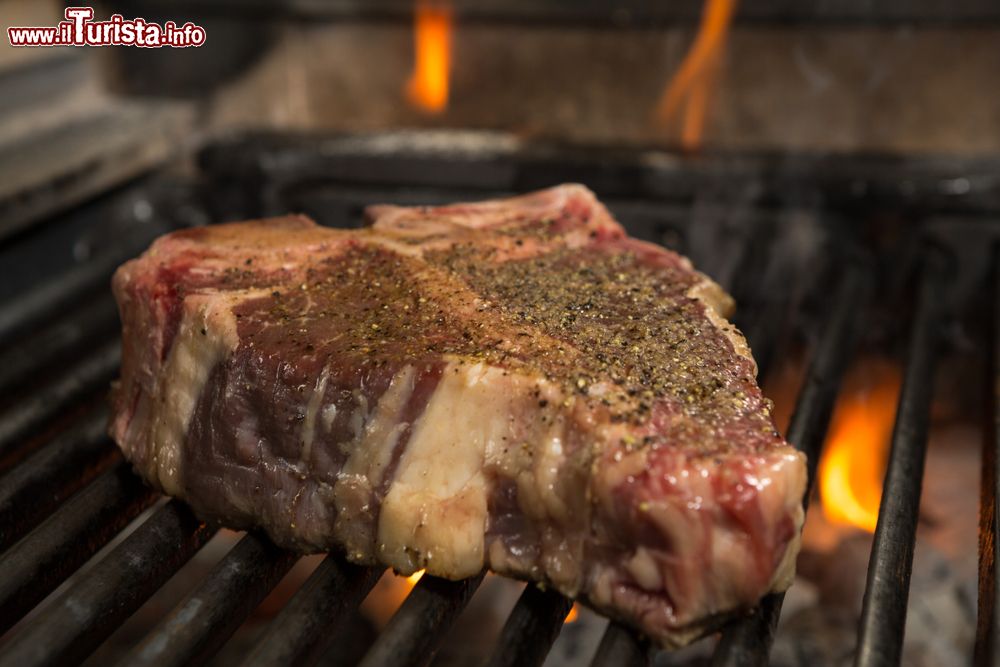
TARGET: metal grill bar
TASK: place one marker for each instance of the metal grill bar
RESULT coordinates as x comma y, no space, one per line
36,565
884,612
202,623
531,628
414,633
33,306
80,327
620,646
748,642
31,490
304,628
987,620
71,626
26,417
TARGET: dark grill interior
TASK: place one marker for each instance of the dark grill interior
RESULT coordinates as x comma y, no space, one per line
822,254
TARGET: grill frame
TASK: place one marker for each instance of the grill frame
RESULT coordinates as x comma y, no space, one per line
112,589
987,649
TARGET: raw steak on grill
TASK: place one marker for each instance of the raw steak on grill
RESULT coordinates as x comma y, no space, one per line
514,385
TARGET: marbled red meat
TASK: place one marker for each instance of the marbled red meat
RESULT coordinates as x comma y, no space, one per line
514,385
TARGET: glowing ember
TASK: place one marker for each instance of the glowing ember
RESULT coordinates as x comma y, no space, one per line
573,614
414,578
853,463
427,88
692,85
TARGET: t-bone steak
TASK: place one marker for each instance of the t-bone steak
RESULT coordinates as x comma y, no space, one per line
514,385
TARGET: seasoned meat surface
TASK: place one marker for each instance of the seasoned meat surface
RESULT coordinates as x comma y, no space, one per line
514,385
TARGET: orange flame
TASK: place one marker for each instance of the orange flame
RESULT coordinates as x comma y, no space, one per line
696,77
427,88
573,614
853,463
387,595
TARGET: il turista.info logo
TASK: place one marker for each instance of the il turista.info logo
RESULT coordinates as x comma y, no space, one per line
79,29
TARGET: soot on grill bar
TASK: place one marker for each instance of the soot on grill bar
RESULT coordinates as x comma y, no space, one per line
836,169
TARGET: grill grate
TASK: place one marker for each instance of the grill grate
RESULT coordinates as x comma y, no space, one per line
233,588
748,642
884,610
531,628
66,492
302,630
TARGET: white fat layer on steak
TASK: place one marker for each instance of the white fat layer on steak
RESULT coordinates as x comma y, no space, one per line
434,515
399,228
205,337
376,434
313,409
